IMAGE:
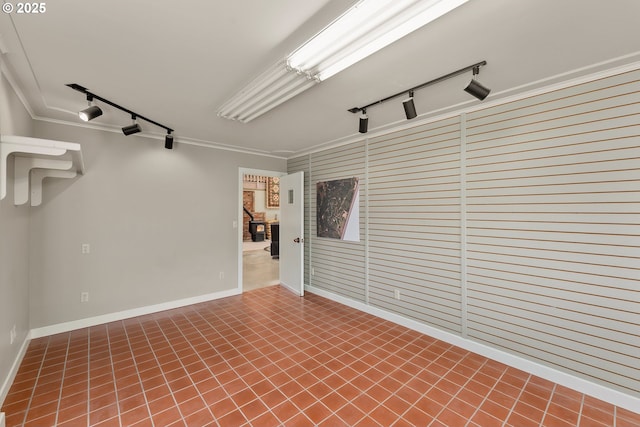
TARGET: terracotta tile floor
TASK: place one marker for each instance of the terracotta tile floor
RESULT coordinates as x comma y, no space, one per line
269,358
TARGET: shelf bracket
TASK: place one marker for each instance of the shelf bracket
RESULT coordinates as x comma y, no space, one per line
38,175
22,169
35,155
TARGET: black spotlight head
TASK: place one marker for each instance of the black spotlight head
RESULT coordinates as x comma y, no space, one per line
90,113
364,122
409,108
168,142
131,129
477,90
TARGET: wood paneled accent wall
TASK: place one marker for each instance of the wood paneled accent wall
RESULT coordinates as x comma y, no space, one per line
516,225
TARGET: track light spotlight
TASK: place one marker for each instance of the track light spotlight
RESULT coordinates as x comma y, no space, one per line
409,107
133,128
90,113
168,141
475,88
364,122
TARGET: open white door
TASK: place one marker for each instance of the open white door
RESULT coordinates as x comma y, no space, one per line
292,232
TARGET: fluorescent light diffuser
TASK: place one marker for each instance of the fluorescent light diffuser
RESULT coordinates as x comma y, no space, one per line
365,28
270,89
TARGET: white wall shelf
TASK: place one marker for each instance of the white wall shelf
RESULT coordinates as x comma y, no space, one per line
34,160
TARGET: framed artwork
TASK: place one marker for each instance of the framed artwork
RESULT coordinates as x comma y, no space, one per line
273,192
337,209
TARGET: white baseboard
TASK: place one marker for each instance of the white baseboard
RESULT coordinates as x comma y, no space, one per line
126,314
598,391
6,385
2,419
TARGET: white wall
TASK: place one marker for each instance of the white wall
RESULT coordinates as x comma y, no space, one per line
14,233
158,222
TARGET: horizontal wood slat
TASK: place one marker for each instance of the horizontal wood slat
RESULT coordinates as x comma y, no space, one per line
414,206
553,229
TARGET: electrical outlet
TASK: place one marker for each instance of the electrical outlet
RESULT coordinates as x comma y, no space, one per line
86,248
84,296
396,294
221,275
313,271
12,334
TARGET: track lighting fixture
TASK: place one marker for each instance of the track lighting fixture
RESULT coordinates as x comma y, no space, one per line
132,128
93,111
364,121
475,88
409,107
168,141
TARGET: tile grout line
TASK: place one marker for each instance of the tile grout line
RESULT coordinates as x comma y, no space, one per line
231,367
369,353
170,346
517,400
414,376
434,385
261,352
320,350
201,360
441,377
64,369
580,412
33,392
486,396
155,357
88,376
546,410
113,374
364,320
135,365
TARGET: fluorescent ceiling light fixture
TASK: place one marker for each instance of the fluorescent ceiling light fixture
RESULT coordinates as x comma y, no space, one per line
365,28
270,89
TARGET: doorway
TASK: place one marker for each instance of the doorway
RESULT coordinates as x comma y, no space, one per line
259,232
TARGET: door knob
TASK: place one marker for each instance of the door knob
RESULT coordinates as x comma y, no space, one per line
296,240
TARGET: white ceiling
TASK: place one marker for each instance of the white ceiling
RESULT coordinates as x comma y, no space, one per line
177,62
